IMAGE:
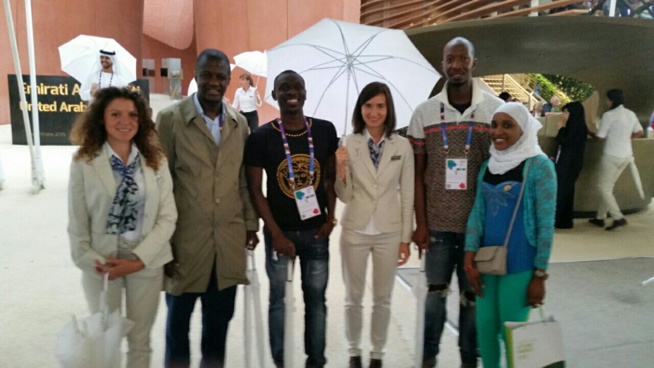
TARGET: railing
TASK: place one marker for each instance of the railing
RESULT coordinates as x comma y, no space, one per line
406,14
506,83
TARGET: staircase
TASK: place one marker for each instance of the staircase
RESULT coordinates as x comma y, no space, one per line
511,83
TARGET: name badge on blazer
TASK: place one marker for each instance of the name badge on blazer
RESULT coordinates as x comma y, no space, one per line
396,157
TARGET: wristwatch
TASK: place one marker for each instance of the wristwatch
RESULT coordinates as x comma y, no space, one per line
333,221
541,274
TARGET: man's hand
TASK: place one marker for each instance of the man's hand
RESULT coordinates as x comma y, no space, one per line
283,246
421,238
325,230
251,239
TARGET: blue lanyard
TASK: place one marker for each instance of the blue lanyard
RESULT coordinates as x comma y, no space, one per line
287,151
446,146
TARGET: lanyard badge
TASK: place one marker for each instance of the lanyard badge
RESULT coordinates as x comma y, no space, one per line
456,169
305,198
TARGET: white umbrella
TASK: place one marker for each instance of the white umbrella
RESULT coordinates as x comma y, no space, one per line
337,59
289,314
94,341
254,62
420,291
253,317
81,56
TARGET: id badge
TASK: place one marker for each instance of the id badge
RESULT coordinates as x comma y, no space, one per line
307,202
456,173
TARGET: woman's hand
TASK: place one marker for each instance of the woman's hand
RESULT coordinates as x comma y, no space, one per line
403,254
536,291
472,273
117,268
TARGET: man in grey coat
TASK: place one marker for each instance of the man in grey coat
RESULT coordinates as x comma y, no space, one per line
204,140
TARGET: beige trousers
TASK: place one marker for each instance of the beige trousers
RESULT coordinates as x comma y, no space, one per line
355,249
610,169
142,292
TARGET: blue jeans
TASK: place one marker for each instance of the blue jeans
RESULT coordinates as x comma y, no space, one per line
444,257
217,311
314,265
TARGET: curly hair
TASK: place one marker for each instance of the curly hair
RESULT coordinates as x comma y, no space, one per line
90,134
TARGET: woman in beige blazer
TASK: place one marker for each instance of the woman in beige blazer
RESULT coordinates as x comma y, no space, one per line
375,180
121,211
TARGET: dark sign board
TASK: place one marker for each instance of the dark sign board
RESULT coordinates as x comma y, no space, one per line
59,104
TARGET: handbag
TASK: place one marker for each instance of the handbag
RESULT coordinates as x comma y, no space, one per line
491,259
535,344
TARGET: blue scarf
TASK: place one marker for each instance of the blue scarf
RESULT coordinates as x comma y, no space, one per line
123,212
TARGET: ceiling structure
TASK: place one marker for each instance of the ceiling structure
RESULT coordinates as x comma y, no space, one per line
602,51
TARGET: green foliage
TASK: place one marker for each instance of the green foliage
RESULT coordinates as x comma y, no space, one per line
575,89
566,88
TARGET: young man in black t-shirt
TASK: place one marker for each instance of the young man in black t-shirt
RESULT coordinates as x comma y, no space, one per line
298,211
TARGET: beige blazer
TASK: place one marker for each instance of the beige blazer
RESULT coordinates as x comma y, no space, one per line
212,198
91,191
385,193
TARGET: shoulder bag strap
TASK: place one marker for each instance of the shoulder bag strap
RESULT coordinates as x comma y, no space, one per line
517,205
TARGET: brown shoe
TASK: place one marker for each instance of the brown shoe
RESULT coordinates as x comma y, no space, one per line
617,223
375,363
355,362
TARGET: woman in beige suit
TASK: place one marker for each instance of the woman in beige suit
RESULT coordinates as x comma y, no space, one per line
121,211
375,180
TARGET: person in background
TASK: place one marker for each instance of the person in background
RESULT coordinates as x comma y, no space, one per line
121,211
551,107
571,140
297,153
538,109
450,142
516,161
106,76
247,100
204,140
618,127
377,222
505,96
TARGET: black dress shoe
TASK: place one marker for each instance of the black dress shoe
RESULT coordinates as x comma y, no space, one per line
617,223
355,362
597,222
375,363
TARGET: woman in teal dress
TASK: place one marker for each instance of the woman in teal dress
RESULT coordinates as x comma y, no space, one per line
516,160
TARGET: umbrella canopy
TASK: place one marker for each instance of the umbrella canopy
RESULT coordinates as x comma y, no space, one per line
81,56
289,314
253,324
337,59
94,341
254,62
420,291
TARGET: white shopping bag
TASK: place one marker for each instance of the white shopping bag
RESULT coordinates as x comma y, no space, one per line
535,344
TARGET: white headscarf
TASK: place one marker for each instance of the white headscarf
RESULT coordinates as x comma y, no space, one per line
527,145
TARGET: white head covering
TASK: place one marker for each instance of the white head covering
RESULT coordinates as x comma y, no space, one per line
111,55
527,145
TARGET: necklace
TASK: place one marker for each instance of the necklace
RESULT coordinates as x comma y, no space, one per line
294,135
100,79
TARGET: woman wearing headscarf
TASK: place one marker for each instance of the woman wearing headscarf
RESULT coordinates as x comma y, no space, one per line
571,140
121,211
516,161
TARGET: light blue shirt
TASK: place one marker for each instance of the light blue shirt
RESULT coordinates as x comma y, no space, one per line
212,124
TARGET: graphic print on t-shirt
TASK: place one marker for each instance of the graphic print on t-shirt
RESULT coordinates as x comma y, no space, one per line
301,171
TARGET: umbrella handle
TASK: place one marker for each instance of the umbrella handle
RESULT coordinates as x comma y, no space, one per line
250,260
289,270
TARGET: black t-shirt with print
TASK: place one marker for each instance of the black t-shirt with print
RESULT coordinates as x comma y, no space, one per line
265,149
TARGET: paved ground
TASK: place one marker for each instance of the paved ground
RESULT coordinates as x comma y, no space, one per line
40,287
